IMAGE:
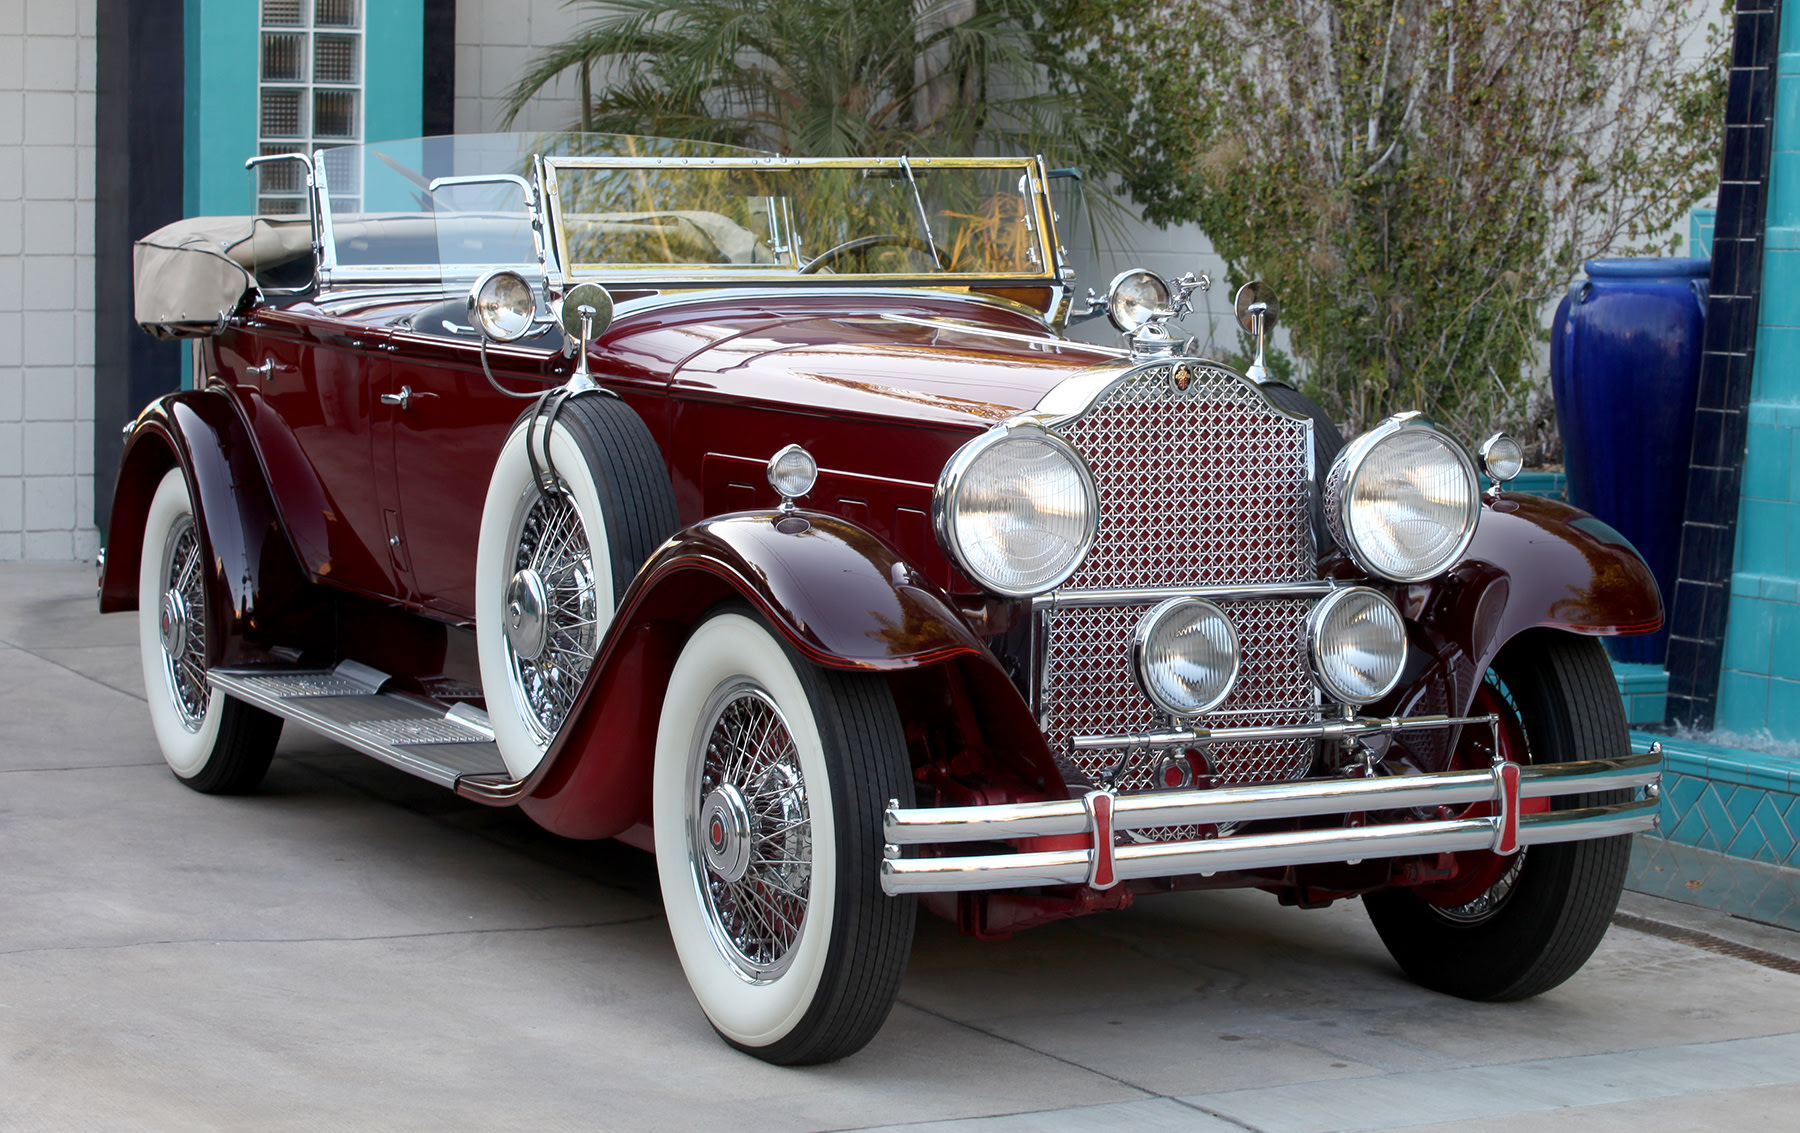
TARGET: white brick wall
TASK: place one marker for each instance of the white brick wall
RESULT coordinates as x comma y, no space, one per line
47,279
495,42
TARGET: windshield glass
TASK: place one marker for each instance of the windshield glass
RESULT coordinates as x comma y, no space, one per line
664,209
770,217
386,219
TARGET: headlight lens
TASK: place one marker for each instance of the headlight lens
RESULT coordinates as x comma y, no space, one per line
1016,511
1134,296
1402,500
502,306
1185,656
1358,643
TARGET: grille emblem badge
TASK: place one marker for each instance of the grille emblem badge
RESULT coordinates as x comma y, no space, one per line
1183,378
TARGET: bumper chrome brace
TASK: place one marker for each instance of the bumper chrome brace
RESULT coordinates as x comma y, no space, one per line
1100,814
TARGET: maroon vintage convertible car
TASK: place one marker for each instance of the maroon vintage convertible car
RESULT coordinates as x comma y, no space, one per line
755,511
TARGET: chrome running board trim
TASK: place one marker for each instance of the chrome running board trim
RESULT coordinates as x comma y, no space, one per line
345,704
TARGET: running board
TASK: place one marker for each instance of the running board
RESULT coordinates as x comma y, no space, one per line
346,704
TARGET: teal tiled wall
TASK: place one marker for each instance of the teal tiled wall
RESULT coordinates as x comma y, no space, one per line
1740,803
1759,686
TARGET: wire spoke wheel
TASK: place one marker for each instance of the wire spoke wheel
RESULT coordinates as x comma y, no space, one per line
751,832
181,623
214,743
771,776
553,612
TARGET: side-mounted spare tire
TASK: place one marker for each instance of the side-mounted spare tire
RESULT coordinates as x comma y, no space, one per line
551,566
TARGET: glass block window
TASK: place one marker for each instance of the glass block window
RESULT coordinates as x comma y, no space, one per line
311,95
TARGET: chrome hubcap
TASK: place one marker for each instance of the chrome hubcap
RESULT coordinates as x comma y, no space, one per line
724,833
173,623
527,628
552,612
750,832
181,626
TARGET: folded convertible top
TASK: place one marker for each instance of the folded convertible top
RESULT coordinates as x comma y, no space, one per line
188,276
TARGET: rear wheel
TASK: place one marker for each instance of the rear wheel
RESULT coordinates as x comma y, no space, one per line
213,743
1530,922
771,777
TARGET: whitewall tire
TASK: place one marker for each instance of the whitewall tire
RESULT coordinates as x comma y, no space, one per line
551,567
770,780
213,743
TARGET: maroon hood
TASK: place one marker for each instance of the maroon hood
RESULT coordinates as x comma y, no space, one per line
942,361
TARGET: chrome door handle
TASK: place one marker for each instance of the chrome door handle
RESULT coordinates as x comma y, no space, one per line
264,371
403,399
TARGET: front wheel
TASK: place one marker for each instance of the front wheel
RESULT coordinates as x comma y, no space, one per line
1531,921
213,743
771,777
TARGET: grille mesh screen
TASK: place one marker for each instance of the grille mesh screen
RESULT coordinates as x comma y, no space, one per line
1202,487
1197,487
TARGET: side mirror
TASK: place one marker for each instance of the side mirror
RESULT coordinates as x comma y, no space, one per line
585,313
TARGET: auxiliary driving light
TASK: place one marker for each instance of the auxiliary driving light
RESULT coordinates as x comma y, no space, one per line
1357,642
1185,656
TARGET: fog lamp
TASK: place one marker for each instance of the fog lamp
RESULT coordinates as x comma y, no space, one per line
1185,656
1358,643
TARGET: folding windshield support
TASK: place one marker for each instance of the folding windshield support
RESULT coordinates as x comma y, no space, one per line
919,203
319,225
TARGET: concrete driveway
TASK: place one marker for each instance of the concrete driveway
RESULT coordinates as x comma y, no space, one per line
355,949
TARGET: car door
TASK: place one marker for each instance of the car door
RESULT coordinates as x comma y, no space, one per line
440,434
309,384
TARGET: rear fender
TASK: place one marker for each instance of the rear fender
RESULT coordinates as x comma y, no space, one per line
1534,563
838,595
252,573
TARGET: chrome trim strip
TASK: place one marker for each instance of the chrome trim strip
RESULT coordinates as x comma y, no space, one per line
1256,851
1150,595
1253,803
1322,730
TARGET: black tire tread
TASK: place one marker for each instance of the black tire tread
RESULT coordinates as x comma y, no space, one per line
1567,892
242,751
628,469
872,933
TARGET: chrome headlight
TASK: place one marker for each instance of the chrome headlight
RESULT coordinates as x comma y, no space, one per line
1016,511
1358,643
1402,500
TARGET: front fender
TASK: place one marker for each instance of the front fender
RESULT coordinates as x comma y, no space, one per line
251,568
1534,563
841,597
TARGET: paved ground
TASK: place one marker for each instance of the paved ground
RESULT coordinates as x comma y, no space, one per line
352,949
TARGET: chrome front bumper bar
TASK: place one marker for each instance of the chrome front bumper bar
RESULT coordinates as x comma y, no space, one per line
1101,814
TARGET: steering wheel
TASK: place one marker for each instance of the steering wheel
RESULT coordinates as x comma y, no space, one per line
861,242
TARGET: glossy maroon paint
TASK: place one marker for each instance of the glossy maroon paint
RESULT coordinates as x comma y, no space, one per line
381,504
838,596
254,587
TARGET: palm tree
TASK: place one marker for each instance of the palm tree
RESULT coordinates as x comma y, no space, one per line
829,78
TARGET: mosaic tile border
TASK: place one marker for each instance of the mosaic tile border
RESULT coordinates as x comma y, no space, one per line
1753,890
1741,803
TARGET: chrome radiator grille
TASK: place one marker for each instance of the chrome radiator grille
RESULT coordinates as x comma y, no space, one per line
1202,486
1206,486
